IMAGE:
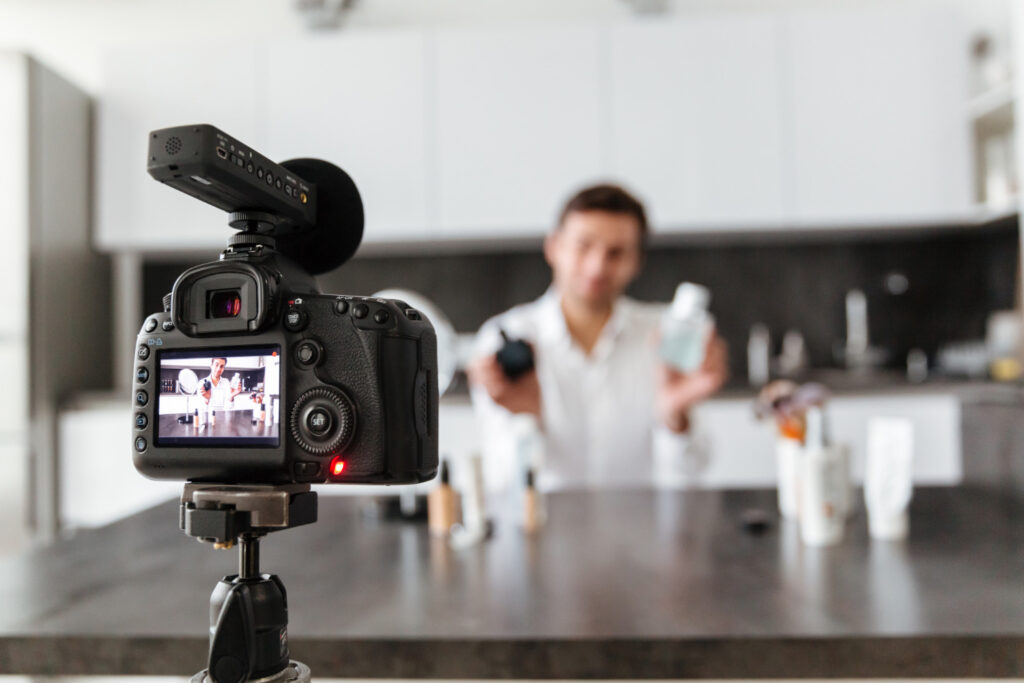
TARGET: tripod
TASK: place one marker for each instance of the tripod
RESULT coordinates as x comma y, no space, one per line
248,610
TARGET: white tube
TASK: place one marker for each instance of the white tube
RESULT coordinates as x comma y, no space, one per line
888,477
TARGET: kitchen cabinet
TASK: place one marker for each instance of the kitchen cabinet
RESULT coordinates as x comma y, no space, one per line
696,120
148,89
54,290
807,118
14,197
100,485
518,126
876,114
370,118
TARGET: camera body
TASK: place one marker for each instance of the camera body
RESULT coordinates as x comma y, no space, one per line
252,376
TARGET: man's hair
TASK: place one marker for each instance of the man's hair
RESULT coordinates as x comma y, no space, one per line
219,358
610,199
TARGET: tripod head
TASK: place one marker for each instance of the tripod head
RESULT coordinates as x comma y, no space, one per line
248,610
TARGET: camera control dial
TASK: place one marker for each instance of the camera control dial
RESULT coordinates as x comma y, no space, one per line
322,421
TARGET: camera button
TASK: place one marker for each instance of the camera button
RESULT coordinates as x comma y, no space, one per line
142,375
360,311
341,306
295,320
142,353
259,173
167,326
381,317
141,421
319,421
412,314
141,398
151,324
307,469
307,353
140,444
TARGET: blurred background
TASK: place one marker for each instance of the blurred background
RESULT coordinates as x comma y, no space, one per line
842,175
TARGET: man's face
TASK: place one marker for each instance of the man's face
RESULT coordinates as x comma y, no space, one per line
594,256
217,367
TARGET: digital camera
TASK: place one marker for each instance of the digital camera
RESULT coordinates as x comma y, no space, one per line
250,375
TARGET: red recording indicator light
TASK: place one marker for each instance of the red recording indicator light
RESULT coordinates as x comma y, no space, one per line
337,465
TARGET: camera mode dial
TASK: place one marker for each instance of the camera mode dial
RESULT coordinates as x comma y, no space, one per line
322,421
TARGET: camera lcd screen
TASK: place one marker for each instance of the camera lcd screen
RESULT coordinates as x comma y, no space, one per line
220,397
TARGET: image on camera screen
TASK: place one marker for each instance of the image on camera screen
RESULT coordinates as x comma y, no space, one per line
220,397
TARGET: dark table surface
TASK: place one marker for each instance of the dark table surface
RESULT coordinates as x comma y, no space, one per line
229,423
617,585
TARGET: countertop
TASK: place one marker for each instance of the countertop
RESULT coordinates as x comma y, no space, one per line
623,584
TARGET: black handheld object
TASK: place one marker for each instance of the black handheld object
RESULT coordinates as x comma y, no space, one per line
349,383
515,357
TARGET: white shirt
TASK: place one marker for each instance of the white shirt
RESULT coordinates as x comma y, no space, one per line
600,427
220,393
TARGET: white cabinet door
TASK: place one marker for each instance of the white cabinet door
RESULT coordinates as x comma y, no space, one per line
696,120
518,126
14,399
878,115
358,101
14,194
144,90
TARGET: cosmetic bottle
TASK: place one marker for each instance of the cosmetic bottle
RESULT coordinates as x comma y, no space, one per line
824,485
685,327
533,506
888,477
441,505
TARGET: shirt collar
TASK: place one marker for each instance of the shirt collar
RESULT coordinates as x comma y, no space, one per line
554,330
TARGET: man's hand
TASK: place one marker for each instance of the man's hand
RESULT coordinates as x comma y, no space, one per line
678,392
521,395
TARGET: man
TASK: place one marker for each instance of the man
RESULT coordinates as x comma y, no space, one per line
215,389
605,407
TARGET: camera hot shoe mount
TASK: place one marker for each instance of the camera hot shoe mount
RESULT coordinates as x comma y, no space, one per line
248,610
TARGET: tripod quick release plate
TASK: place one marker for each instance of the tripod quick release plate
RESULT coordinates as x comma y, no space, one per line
219,513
